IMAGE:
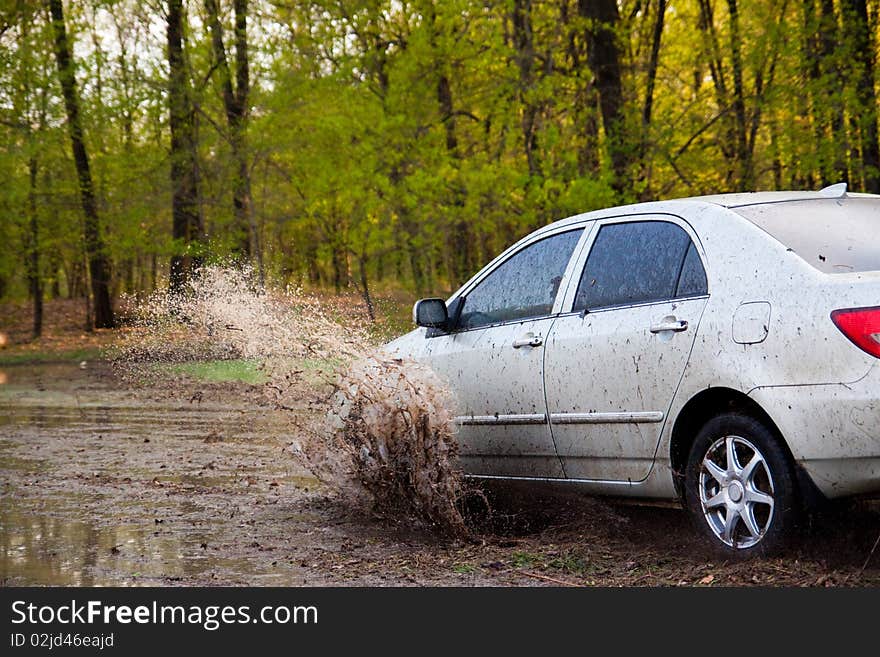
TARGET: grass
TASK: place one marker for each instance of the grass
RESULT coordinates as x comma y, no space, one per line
563,563
221,371
27,357
570,564
524,559
245,370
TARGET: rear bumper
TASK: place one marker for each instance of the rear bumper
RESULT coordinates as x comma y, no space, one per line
833,431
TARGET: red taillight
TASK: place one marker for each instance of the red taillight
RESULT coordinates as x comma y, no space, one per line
862,326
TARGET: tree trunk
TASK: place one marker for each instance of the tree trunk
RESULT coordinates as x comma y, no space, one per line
743,155
587,113
458,238
35,282
340,271
712,54
524,46
363,261
653,63
235,103
647,108
603,57
833,94
809,104
460,241
31,233
55,277
187,222
775,155
74,279
99,266
447,113
862,47
87,298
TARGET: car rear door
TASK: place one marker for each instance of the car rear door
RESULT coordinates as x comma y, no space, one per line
613,363
494,360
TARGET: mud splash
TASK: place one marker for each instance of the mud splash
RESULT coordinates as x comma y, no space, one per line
225,313
377,430
393,436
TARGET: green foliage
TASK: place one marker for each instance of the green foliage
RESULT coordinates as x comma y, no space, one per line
387,141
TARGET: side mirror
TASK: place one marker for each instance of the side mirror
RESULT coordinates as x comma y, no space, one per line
431,313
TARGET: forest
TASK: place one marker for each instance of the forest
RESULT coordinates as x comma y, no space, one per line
375,145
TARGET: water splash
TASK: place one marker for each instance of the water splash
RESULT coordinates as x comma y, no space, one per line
377,430
225,312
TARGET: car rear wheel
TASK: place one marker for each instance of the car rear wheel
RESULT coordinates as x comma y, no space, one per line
740,487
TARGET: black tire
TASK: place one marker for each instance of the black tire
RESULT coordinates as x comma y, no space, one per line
730,507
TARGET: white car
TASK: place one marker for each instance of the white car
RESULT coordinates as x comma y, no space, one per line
719,350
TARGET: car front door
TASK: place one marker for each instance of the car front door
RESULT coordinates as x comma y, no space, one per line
613,363
494,360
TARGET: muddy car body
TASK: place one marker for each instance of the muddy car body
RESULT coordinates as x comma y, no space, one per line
718,350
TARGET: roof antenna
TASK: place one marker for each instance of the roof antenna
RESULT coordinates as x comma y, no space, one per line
834,191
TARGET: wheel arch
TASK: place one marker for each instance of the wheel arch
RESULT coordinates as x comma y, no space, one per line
702,407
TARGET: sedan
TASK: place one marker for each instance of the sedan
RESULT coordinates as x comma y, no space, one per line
719,351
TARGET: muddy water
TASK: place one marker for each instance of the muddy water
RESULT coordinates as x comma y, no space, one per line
103,485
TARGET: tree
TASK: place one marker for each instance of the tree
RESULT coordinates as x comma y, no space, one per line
187,222
396,146
236,105
604,56
99,266
29,105
648,105
524,54
857,26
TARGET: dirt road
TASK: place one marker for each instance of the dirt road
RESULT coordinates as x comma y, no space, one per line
102,482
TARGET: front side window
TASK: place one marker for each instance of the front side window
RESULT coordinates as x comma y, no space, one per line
523,286
640,262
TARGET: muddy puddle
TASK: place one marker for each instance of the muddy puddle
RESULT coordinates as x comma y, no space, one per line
107,483
104,485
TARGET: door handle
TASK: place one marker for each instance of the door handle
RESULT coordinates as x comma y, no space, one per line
528,340
676,326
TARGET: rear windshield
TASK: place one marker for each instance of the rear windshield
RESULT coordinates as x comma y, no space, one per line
834,235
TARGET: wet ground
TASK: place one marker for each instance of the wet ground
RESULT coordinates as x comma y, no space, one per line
103,482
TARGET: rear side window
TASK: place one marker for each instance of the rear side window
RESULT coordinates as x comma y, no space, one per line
692,282
525,285
835,236
640,262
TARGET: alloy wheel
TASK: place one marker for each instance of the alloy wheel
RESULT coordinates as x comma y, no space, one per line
736,492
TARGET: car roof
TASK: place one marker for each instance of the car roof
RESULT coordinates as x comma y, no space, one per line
740,199
729,201
672,206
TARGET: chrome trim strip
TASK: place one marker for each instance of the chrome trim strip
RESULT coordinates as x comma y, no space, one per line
607,418
562,418
481,420
554,479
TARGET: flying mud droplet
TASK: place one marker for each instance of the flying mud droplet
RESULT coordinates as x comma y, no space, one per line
391,443
376,430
